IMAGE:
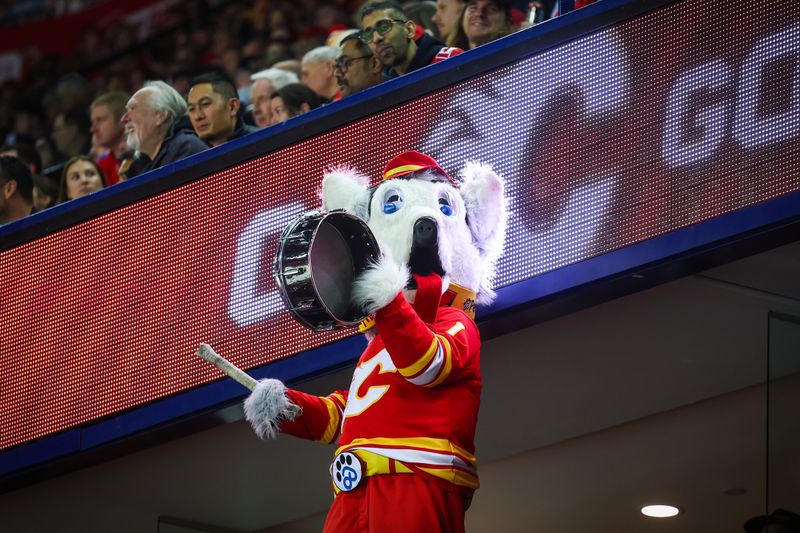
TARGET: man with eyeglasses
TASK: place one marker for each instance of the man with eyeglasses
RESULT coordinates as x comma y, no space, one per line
357,68
398,43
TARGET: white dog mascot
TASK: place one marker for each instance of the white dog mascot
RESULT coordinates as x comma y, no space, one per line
405,429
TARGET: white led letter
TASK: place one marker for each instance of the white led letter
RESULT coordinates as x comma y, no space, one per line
676,150
495,119
247,304
752,130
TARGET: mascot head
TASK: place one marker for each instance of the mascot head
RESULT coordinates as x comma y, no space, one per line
424,223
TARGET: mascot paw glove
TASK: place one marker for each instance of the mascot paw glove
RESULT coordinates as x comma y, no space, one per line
268,406
378,285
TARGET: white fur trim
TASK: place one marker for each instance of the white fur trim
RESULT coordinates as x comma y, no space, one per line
346,188
268,406
380,284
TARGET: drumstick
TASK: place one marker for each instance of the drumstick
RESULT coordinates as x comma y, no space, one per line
204,351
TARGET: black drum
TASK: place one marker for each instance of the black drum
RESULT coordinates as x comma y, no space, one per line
319,256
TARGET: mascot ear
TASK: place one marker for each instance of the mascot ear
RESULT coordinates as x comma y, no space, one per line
486,204
345,188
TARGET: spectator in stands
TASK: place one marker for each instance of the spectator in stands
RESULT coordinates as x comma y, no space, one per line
448,15
81,176
292,100
16,189
486,20
316,72
157,126
213,106
357,67
45,193
396,41
265,83
107,131
71,133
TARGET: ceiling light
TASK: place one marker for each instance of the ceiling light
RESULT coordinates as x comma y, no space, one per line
660,511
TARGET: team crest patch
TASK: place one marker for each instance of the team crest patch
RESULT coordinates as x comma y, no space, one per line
346,471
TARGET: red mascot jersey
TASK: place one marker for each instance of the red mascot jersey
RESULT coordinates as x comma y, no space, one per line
413,402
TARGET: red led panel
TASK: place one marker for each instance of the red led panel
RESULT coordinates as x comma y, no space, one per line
681,115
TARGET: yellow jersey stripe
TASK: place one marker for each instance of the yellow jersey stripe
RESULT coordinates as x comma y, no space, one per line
454,476
339,397
376,465
421,363
334,418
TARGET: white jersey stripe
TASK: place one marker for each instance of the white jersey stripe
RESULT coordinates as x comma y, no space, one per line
420,457
430,373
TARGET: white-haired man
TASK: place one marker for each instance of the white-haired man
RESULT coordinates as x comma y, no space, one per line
265,83
156,125
316,72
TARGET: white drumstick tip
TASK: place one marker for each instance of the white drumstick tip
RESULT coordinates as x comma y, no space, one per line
207,353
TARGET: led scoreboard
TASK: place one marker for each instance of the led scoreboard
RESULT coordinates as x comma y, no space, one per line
641,125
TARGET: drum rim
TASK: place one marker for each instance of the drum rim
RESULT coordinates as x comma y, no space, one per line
279,277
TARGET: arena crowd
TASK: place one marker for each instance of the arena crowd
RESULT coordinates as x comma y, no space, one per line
115,107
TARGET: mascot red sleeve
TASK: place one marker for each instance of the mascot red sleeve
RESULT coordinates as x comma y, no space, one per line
405,458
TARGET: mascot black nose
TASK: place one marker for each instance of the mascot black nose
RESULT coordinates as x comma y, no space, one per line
425,233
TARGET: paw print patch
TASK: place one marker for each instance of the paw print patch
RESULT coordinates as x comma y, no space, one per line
346,471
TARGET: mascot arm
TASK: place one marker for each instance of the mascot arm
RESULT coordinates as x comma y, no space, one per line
424,355
321,417
272,408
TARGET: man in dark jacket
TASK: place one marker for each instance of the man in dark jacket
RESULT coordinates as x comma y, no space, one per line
214,109
156,125
398,43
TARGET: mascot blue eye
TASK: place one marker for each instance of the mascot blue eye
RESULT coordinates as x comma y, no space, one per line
445,205
392,201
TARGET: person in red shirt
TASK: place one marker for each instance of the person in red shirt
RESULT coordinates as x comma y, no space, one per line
108,133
